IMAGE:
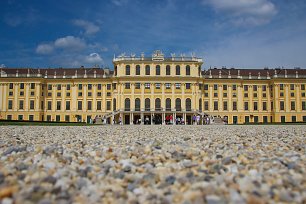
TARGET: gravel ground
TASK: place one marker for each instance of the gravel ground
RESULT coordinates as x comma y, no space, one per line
153,164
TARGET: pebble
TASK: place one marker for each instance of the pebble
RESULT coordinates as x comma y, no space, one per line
153,164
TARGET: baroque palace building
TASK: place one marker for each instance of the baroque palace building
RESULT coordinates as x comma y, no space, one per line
141,88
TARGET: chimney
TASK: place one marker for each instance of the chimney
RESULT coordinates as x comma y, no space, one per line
275,73
229,74
296,74
95,74
64,74
106,71
238,73
286,73
268,75
210,76
259,75
85,73
220,76
28,74
17,73
46,74
55,74
250,75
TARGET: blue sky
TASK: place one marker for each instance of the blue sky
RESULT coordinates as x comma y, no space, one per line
232,33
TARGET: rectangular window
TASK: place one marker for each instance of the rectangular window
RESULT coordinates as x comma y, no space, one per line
89,94
224,87
246,88
188,86
255,95
265,119
264,106
264,88
234,95
49,105
67,105
157,85
79,105
32,104
67,118
108,94
80,94
234,105
292,94
127,85
99,94
224,95
147,85
42,105
49,94
168,86
234,87
303,94
10,93
89,86
177,85
108,105
20,117
254,87
205,87
168,70
58,105
282,105
255,119
281,87
303,105
264,95
89,103
293,118
246,106
157,70
10,105
31,117
246,95
137,85
99,86
32,86
303,86
147,70
21,85
58,118
215,87
9,117
11,86
32,93
255,106
205,105
109,86
67,94
59,87
21,93
114,86
99,105
291,87
80,86
215,105
216,94
58,94
281,94
21,104
68,87
246,119
48,117
225,105
49,87
292,105
272,105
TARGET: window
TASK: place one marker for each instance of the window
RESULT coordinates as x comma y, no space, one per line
137,70
11,86
157,70
21,93
168,85
31,117
271,105
178,70
224,95
254,87
10,104
21,85
20,117
58,118
127,70
157,104
205,87
235,105
255,106
59,87
89,105
68,87
109,86
99,105
127,104
89,86
188,104
58,94
9,117
255,119
205,105
255,95
49,87
79,105
99,94
281,94
147,69
264,95
80,86
292,94
188,85
67,118
293,118
168,104
147,104
137,85
225,105
157,85
246,95
245,87
21,104
178,105
187,70
80,94
246,106
215,105
108,94
32,104
215,87
303,94
177,85
292,87
49,94
168,70
32,93
49,105
32,85
303,105
48,117
234,87
127,85
89,94
99,86
281,86
147,85
42,105
264,88
292,105
114,86
224,87
234,95
264,106
246,119
58,105
67,105
282,105
303,86
137,104
215,94
10,93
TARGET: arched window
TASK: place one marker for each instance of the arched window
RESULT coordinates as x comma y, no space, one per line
187,70
137,104
168,70
114,104
178,106
200,104
157,104
168,104
157,70
127,104
147,104
188,104
137,70
127,70
147,69
178,70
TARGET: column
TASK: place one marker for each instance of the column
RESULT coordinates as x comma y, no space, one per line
94,98
172,96
27,96
16,95
163,100
3,98
184,116
287,97
163,118
131,118
211,95
142,119
4,93
38,97
132,104
142,100
183,87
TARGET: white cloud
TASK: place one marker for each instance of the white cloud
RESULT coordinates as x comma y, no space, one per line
245,12
70,42
89,27
44,49
93,58
119,2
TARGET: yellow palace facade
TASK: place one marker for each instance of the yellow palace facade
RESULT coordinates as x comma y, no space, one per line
151,90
